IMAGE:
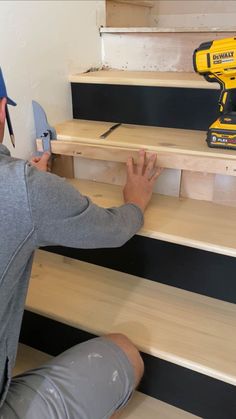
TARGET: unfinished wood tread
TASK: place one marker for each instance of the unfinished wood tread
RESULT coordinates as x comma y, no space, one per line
144,78
145,407
29,358
140,407
141,3
176,148
181,327
189,222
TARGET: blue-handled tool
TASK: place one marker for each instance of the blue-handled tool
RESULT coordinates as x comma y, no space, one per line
42,127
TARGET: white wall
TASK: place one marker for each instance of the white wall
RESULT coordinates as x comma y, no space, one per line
193,13
41,43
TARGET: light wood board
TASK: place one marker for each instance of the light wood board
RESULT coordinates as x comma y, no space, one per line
115,173
144,78
176,148
199,224
140,406
144,407
181,327
141,3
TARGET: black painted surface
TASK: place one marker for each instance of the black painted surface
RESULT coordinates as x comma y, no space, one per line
186,389
158,106
191,269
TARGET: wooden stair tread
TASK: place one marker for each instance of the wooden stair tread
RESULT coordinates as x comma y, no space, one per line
144,78
181,327
176,148
29,358
140,407
199,224
141,3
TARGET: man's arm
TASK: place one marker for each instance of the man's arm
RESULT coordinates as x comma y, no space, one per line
62,216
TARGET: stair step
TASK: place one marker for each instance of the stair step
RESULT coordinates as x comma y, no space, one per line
140,407
144,78
176,148
187,329
199,224
29,358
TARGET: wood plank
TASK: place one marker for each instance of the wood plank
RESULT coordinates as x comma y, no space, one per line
181,327
141,3
143,407
176,148
63,166
115,173
197,185
144,78
29,358
199,224
140,407
225,190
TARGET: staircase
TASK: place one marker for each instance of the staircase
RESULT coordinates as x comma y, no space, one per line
172,287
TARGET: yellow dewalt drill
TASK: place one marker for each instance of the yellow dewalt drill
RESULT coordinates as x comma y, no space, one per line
216,61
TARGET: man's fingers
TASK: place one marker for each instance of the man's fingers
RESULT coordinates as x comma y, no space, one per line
130,166
46,157
141,162
150,166
35,159
156,174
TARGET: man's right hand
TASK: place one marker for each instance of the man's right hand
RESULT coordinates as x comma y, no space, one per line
2,117
140,180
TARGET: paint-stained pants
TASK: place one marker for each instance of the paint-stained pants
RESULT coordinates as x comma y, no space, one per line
89,381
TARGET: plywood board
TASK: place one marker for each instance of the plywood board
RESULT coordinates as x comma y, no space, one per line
225,190
197,185
115,173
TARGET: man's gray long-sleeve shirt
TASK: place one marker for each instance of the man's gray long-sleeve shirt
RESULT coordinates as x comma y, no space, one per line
40,209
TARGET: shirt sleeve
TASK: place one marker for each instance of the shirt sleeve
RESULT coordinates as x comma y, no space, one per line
62,216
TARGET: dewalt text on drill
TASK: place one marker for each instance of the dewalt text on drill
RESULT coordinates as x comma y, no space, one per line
216,61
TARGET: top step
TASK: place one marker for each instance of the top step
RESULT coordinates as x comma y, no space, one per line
144,78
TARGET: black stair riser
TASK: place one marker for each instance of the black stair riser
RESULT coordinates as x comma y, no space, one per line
183,388
191,269
172,107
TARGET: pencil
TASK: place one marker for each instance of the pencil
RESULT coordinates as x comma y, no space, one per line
10,127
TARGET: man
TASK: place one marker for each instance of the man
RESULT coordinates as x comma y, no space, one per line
93,380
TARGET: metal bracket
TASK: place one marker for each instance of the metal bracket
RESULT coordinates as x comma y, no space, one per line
42,128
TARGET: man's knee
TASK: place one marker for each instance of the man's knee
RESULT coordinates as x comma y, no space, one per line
131,352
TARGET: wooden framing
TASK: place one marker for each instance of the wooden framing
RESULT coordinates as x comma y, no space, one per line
176,148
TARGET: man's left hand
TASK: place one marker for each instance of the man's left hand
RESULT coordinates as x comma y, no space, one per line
42,163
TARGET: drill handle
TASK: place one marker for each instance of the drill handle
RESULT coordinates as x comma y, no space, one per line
227,101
